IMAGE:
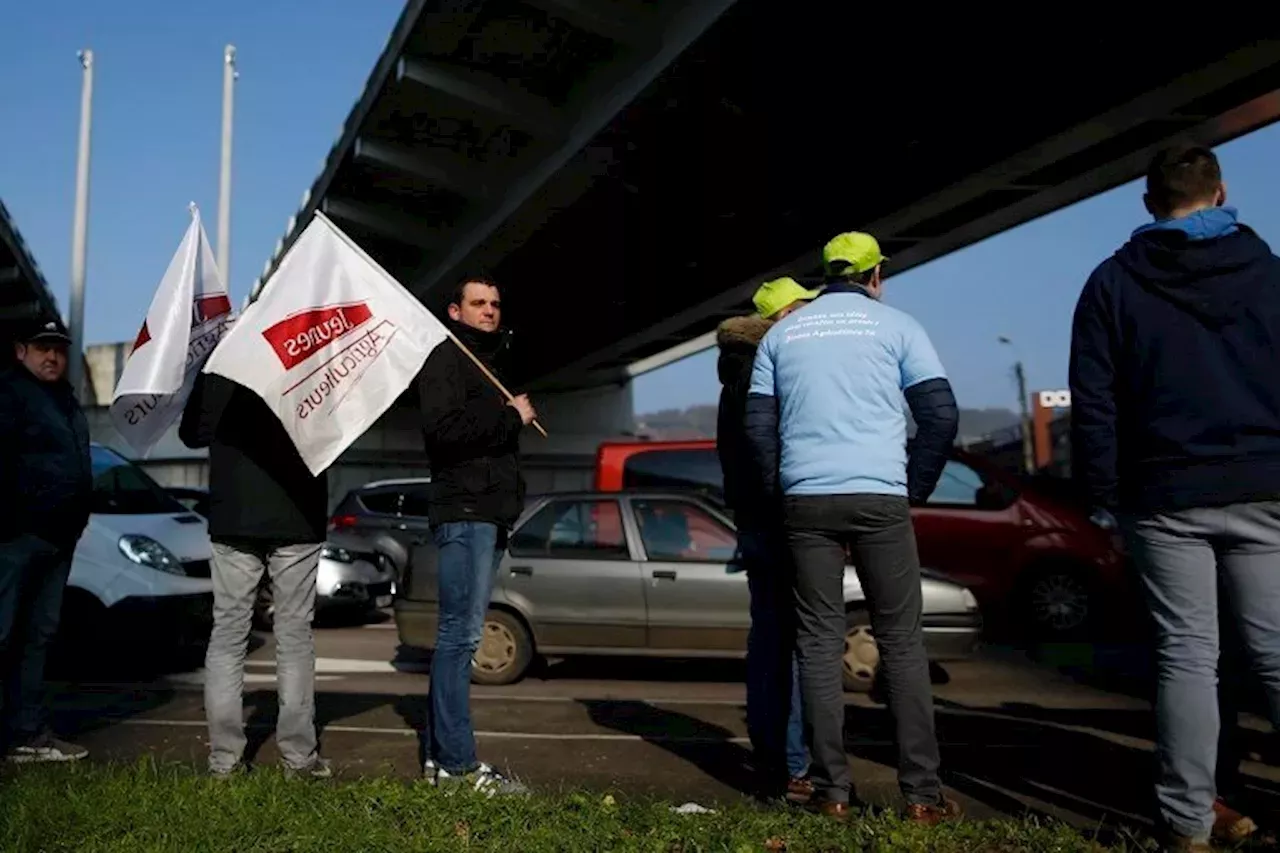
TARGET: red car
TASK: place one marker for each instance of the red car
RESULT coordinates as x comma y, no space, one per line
1035,560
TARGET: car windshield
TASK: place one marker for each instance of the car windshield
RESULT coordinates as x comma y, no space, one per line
122,488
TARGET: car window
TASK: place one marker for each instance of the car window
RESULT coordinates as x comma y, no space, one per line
382,502
962,486
584,530
682,470
680,531
416,502
122,488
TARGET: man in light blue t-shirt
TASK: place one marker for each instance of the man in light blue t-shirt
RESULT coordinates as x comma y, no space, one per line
828,424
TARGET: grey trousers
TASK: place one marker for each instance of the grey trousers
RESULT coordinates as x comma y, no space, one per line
878,531
237,570
1184,558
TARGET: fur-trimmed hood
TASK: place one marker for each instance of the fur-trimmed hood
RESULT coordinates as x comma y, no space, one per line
738,338
745,332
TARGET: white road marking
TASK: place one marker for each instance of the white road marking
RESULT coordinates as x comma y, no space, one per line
560,736
350,666
375,730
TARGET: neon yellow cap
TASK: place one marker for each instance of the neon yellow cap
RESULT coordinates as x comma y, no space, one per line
860,251
773,296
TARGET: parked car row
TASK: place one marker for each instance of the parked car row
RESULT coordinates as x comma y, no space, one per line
1036,559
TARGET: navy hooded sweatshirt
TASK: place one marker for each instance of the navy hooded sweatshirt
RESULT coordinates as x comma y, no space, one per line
1175,369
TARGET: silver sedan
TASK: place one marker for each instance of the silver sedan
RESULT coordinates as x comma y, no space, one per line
643,574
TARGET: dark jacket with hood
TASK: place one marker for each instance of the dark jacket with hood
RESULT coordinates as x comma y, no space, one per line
46,475
1175,369
744,492
259,487
472,436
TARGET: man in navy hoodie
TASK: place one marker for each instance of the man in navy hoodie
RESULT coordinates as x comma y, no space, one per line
1176,427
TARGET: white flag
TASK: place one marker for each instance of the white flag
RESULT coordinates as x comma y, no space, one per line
187,318
330,345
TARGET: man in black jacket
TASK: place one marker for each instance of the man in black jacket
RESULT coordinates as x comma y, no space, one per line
46,479
266,513
1176,428
472,439
773,681
829,433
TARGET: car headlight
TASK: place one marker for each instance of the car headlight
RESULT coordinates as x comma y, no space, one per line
146,551
341,555
968,599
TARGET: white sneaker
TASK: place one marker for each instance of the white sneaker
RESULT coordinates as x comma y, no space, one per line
486,779
46,749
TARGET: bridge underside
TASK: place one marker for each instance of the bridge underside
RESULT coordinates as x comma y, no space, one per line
23,291
630,171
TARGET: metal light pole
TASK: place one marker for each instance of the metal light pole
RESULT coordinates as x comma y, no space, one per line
1020,375
229,76
79,234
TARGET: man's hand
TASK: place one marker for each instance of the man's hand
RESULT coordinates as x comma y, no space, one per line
522,405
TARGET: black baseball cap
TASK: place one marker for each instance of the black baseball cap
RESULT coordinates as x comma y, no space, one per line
48,330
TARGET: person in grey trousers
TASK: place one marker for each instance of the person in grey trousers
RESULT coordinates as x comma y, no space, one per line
267,513
1176,430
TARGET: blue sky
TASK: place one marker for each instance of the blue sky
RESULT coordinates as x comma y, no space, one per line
157,113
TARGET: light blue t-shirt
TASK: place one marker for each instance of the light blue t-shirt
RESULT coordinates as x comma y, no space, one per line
838,368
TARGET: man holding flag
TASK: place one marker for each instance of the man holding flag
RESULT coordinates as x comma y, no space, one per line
472,435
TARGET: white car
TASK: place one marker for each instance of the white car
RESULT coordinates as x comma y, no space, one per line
142,564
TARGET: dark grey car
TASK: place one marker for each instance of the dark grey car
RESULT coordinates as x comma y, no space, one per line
641,573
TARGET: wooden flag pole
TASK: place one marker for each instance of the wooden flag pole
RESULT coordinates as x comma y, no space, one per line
488,374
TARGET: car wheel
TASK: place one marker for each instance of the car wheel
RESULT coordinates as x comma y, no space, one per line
1059,603
505,650
861,658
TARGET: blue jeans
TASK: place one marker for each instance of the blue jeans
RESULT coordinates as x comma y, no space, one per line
33,577
468,561
1183,558
774,722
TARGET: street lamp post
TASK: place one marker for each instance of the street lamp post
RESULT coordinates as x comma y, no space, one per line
1020,375
79,232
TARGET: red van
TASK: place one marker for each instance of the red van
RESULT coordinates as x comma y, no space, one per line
1034,559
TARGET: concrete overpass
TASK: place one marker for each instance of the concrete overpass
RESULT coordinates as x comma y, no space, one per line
643,166
24,294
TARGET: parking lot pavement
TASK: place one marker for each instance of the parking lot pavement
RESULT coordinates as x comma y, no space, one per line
1016,737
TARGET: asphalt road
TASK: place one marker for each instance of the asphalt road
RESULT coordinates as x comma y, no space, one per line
1017,737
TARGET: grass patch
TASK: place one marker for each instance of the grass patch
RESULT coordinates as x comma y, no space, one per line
150,807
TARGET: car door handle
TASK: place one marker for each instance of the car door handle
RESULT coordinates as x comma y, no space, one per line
664,574
522,570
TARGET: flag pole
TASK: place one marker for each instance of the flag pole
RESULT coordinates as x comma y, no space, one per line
488,374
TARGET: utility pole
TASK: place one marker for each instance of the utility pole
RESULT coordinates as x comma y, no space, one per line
1028,445
229,76
79,233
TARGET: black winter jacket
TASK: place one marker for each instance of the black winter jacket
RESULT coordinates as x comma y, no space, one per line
472,436
46,476
259,487
1175,392
738,338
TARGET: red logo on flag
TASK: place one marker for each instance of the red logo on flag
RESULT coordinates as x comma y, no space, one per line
144,335
207,308
299,336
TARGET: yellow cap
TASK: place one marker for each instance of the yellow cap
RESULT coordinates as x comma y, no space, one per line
860,251
773,296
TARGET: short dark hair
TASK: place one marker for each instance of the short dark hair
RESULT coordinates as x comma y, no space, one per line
1181,175
460,291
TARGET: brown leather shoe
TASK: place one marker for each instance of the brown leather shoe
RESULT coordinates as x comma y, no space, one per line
927,815
799,790
1229,825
